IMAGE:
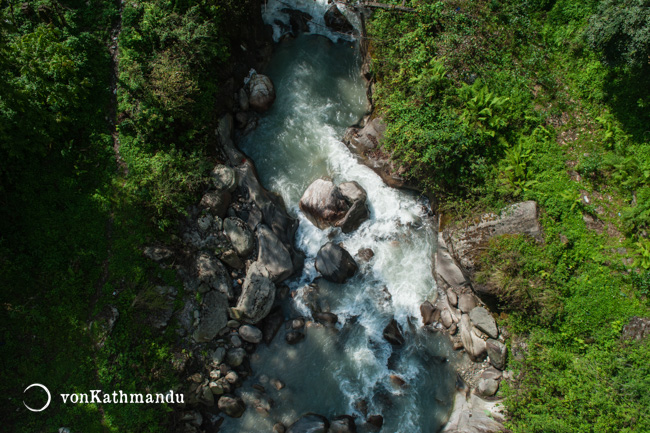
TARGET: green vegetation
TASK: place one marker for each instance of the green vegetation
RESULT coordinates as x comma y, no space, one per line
73,221
492,102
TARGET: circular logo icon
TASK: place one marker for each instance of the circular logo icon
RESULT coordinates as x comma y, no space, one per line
47,391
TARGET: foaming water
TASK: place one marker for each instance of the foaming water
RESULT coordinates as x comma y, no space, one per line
346,370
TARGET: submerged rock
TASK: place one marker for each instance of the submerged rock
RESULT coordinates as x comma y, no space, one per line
309,423
393,334
335,263
232,406
343,424
336,21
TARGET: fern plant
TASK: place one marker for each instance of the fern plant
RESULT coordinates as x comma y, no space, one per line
483,109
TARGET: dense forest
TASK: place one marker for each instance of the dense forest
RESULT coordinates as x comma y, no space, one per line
486,103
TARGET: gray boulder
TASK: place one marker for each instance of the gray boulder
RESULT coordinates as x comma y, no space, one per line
239,235
497,351
323,204
309,423
213,316
212,274
250,333
235,357
224,178
258,294
335,263
487,387
484,321
261,93
466,303
273,255
232,406
473,344
216,202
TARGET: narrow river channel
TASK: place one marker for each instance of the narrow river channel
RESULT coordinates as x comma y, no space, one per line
346,370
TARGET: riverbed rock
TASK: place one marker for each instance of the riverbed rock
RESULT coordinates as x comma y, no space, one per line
427,310
261,93
335,263
343,424
375,422
466,303
497,351
294,337
213,316
224,178
474,415
487,387
365,254
336,21
446,319
393,333
323,204
216,202
235,357
326,318
298,20
258,294
364,142
250,333
239,236
232,406
355,196
211,273
484,321
309,423
474,345
273,255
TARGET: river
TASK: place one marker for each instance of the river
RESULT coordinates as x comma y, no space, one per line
345,370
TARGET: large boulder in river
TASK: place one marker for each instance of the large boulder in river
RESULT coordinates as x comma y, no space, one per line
261,93
273,255
258,294
213,316
335,263
326,204
323,204
336,21
309,423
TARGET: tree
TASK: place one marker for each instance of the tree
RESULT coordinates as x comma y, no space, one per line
620,29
